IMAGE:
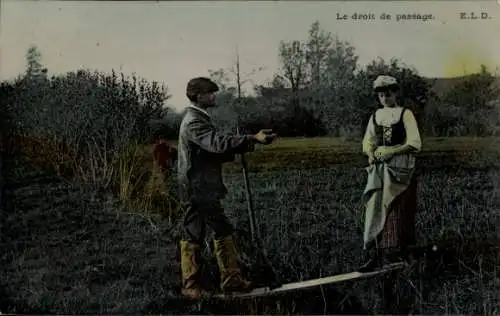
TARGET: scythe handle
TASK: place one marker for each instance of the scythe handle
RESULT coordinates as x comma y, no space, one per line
251,212
256,240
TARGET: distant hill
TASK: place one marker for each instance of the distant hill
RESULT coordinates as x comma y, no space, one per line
443,85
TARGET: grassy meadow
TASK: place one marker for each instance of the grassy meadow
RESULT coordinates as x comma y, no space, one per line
68,248
324,152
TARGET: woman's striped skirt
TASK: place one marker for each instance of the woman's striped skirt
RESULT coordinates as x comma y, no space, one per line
399,228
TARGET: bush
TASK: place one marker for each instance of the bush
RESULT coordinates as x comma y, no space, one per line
91,115
89,126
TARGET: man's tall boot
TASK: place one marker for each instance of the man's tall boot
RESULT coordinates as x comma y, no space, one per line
230,271
190,270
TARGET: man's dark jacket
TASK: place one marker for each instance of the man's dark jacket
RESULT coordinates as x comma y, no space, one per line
201,151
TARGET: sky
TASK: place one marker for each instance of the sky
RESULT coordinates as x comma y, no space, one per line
172,42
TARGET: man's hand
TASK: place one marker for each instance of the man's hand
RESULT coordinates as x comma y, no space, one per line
265,136
383,153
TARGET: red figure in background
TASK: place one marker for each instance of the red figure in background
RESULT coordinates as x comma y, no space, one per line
164,155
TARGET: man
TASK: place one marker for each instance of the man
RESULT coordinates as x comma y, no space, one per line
201,152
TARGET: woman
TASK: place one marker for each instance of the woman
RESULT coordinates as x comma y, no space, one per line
391,140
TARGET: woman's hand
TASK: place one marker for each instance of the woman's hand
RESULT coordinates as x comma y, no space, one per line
371,159
383,153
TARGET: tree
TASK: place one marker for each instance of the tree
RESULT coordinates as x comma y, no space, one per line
494,104
341,62
335,97
476,114
224,114
317,52
234,108
293,63
221,78
34,67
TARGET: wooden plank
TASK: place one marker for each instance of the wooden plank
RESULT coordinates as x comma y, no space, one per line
301,285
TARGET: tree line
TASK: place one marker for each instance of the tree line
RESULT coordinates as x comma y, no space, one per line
319,90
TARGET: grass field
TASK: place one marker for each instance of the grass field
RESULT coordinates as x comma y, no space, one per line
323,152
67,249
